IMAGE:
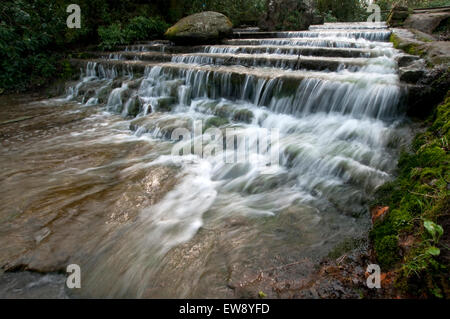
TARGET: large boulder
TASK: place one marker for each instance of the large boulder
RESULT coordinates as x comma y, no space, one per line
438,52
200,28
426,22
414,42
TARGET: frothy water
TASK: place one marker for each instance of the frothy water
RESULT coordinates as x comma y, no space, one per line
339,119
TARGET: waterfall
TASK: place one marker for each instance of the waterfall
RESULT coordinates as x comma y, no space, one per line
334,98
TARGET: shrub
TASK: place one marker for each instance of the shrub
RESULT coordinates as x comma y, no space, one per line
29,30
139,28
329,17
111,36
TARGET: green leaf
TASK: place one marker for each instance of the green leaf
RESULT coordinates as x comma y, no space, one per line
437,292
433,251
262,295
433,229
440,230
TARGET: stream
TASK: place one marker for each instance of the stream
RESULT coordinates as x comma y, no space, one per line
91,178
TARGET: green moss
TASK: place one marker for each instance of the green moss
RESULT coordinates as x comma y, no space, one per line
441,125
171,32
408,47
222,111
165,104
387,250
243,115
215,122
428,174
103,94
430,156
395,40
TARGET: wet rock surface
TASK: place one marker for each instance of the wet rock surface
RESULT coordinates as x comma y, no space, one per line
29,285
63,220
427,72
405,59
413,72
429,90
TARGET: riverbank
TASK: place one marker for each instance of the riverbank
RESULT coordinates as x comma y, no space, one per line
410,237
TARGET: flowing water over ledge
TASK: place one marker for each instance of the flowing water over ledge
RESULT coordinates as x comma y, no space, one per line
89,179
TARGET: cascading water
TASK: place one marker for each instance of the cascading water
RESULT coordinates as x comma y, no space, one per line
334,98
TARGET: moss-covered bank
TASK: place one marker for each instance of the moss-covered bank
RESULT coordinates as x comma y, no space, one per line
413,239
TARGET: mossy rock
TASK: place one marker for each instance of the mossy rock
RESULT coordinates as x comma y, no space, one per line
409,47
200,28
134,106
165,103
103,94
215,122
243,115
223,111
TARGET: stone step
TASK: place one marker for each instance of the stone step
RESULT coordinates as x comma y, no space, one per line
161,48
349,26
255,49
255,34
371,35
299,50
330,42
132,55
284,91
127,67
432,10
284,61
293,62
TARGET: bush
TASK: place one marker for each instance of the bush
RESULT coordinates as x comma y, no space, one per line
329,17
34,38
342,10
29,30
139,28
111,36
